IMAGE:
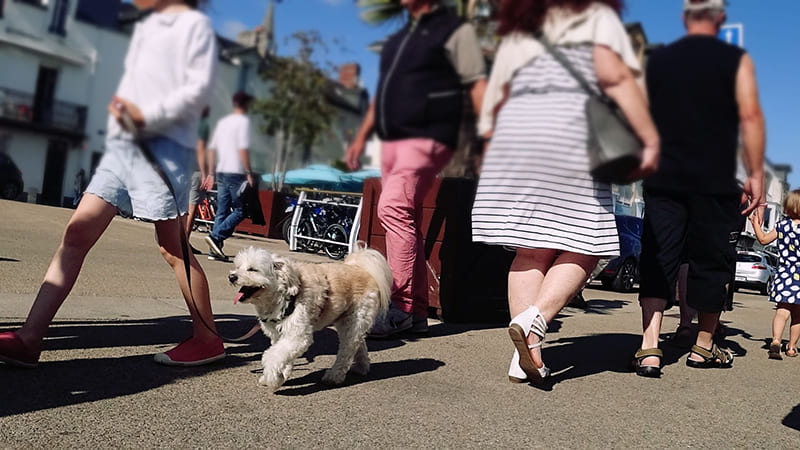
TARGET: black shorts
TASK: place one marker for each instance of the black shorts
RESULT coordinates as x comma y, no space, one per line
706,228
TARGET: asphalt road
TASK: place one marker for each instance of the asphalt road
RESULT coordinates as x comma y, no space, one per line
98,387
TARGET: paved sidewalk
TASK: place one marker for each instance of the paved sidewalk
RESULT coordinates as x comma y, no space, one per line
97,385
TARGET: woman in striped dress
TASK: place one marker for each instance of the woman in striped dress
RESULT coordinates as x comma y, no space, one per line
535,194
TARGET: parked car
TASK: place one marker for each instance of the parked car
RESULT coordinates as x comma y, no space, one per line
754,270
622,272
10,178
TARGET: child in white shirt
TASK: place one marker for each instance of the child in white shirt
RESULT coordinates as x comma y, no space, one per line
168,75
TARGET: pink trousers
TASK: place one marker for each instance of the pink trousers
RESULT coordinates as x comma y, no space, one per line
408,169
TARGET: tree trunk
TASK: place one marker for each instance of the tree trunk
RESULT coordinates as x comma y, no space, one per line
464,163
289,143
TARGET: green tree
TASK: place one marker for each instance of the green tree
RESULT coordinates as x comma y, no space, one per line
297,112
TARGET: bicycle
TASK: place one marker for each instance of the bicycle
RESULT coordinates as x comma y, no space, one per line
207,211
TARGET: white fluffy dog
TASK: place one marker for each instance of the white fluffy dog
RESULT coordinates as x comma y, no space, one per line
293,299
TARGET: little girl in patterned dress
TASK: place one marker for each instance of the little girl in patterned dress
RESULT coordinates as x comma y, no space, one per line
786,286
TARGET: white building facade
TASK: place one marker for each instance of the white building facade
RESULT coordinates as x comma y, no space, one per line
60,64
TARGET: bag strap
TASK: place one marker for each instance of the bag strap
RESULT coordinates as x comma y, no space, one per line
558,56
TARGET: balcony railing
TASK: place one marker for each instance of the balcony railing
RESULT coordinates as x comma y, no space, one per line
59,116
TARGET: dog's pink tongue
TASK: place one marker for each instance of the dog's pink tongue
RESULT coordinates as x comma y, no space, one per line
239,296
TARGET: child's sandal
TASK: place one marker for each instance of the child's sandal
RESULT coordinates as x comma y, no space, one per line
775,351
712,358
791,352
647,371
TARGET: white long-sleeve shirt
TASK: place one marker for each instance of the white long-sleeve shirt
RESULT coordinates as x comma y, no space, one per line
169,72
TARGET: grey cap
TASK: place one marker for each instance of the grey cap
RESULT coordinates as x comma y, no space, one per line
700,5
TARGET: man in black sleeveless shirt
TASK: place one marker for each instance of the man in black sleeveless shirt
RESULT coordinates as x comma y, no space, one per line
703,93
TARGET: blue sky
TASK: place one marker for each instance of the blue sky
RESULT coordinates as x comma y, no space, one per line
770,34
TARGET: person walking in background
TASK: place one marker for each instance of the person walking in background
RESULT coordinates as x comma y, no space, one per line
231,146
702,92
166,113
417,113
786,285
535,194
200,177
79,187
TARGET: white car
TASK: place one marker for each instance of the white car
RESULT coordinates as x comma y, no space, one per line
754,270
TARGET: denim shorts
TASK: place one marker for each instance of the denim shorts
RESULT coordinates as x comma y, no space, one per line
126,179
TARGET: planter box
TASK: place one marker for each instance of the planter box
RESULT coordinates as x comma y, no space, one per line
468,281
273,205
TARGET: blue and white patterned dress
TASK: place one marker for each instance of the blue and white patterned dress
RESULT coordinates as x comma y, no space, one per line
786,287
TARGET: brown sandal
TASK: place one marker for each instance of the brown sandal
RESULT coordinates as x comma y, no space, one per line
647,371
714,357
775,351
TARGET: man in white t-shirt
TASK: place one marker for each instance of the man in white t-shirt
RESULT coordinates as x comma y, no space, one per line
230,146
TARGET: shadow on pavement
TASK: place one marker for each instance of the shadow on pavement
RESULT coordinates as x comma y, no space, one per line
576,357
63,383
602,306
792,420
378,371
87,334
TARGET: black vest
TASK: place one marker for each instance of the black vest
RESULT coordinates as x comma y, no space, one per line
419,92
692,88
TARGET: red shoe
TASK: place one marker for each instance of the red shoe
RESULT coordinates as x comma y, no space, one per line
14,352
192,352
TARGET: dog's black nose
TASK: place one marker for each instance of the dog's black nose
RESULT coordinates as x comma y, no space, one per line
232,278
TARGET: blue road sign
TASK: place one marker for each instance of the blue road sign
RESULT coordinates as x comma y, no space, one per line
733,34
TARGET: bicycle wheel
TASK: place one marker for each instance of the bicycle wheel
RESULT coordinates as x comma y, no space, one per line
336,233
304,228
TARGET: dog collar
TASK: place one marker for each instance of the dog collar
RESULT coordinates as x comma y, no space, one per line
287,311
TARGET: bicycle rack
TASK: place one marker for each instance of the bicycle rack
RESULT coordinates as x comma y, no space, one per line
303,198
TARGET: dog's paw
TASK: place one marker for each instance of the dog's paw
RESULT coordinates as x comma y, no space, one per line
271,381
333,377
360,368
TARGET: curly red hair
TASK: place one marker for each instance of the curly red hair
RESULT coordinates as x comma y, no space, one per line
529,15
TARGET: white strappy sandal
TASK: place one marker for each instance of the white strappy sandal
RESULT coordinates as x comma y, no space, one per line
530,320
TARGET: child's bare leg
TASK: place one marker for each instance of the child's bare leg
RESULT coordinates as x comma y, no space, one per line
779,322
85,227
168,233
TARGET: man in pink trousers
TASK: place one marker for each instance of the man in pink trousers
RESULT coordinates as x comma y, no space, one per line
417,111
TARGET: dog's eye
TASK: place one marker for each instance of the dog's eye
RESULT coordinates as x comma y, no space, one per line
252,269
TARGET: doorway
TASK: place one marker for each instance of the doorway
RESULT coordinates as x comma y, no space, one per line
54,166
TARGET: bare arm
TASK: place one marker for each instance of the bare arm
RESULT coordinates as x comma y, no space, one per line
244,156
356,148
476,94
753,135
201,158
617,81
764,238
208,182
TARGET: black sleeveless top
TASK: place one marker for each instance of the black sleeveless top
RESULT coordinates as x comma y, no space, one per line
692,88
419,91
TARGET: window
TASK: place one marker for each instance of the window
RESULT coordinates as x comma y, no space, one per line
40,3
748,258
45,95
244,74
60,11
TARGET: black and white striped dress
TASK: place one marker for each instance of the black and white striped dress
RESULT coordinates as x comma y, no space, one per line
535,190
